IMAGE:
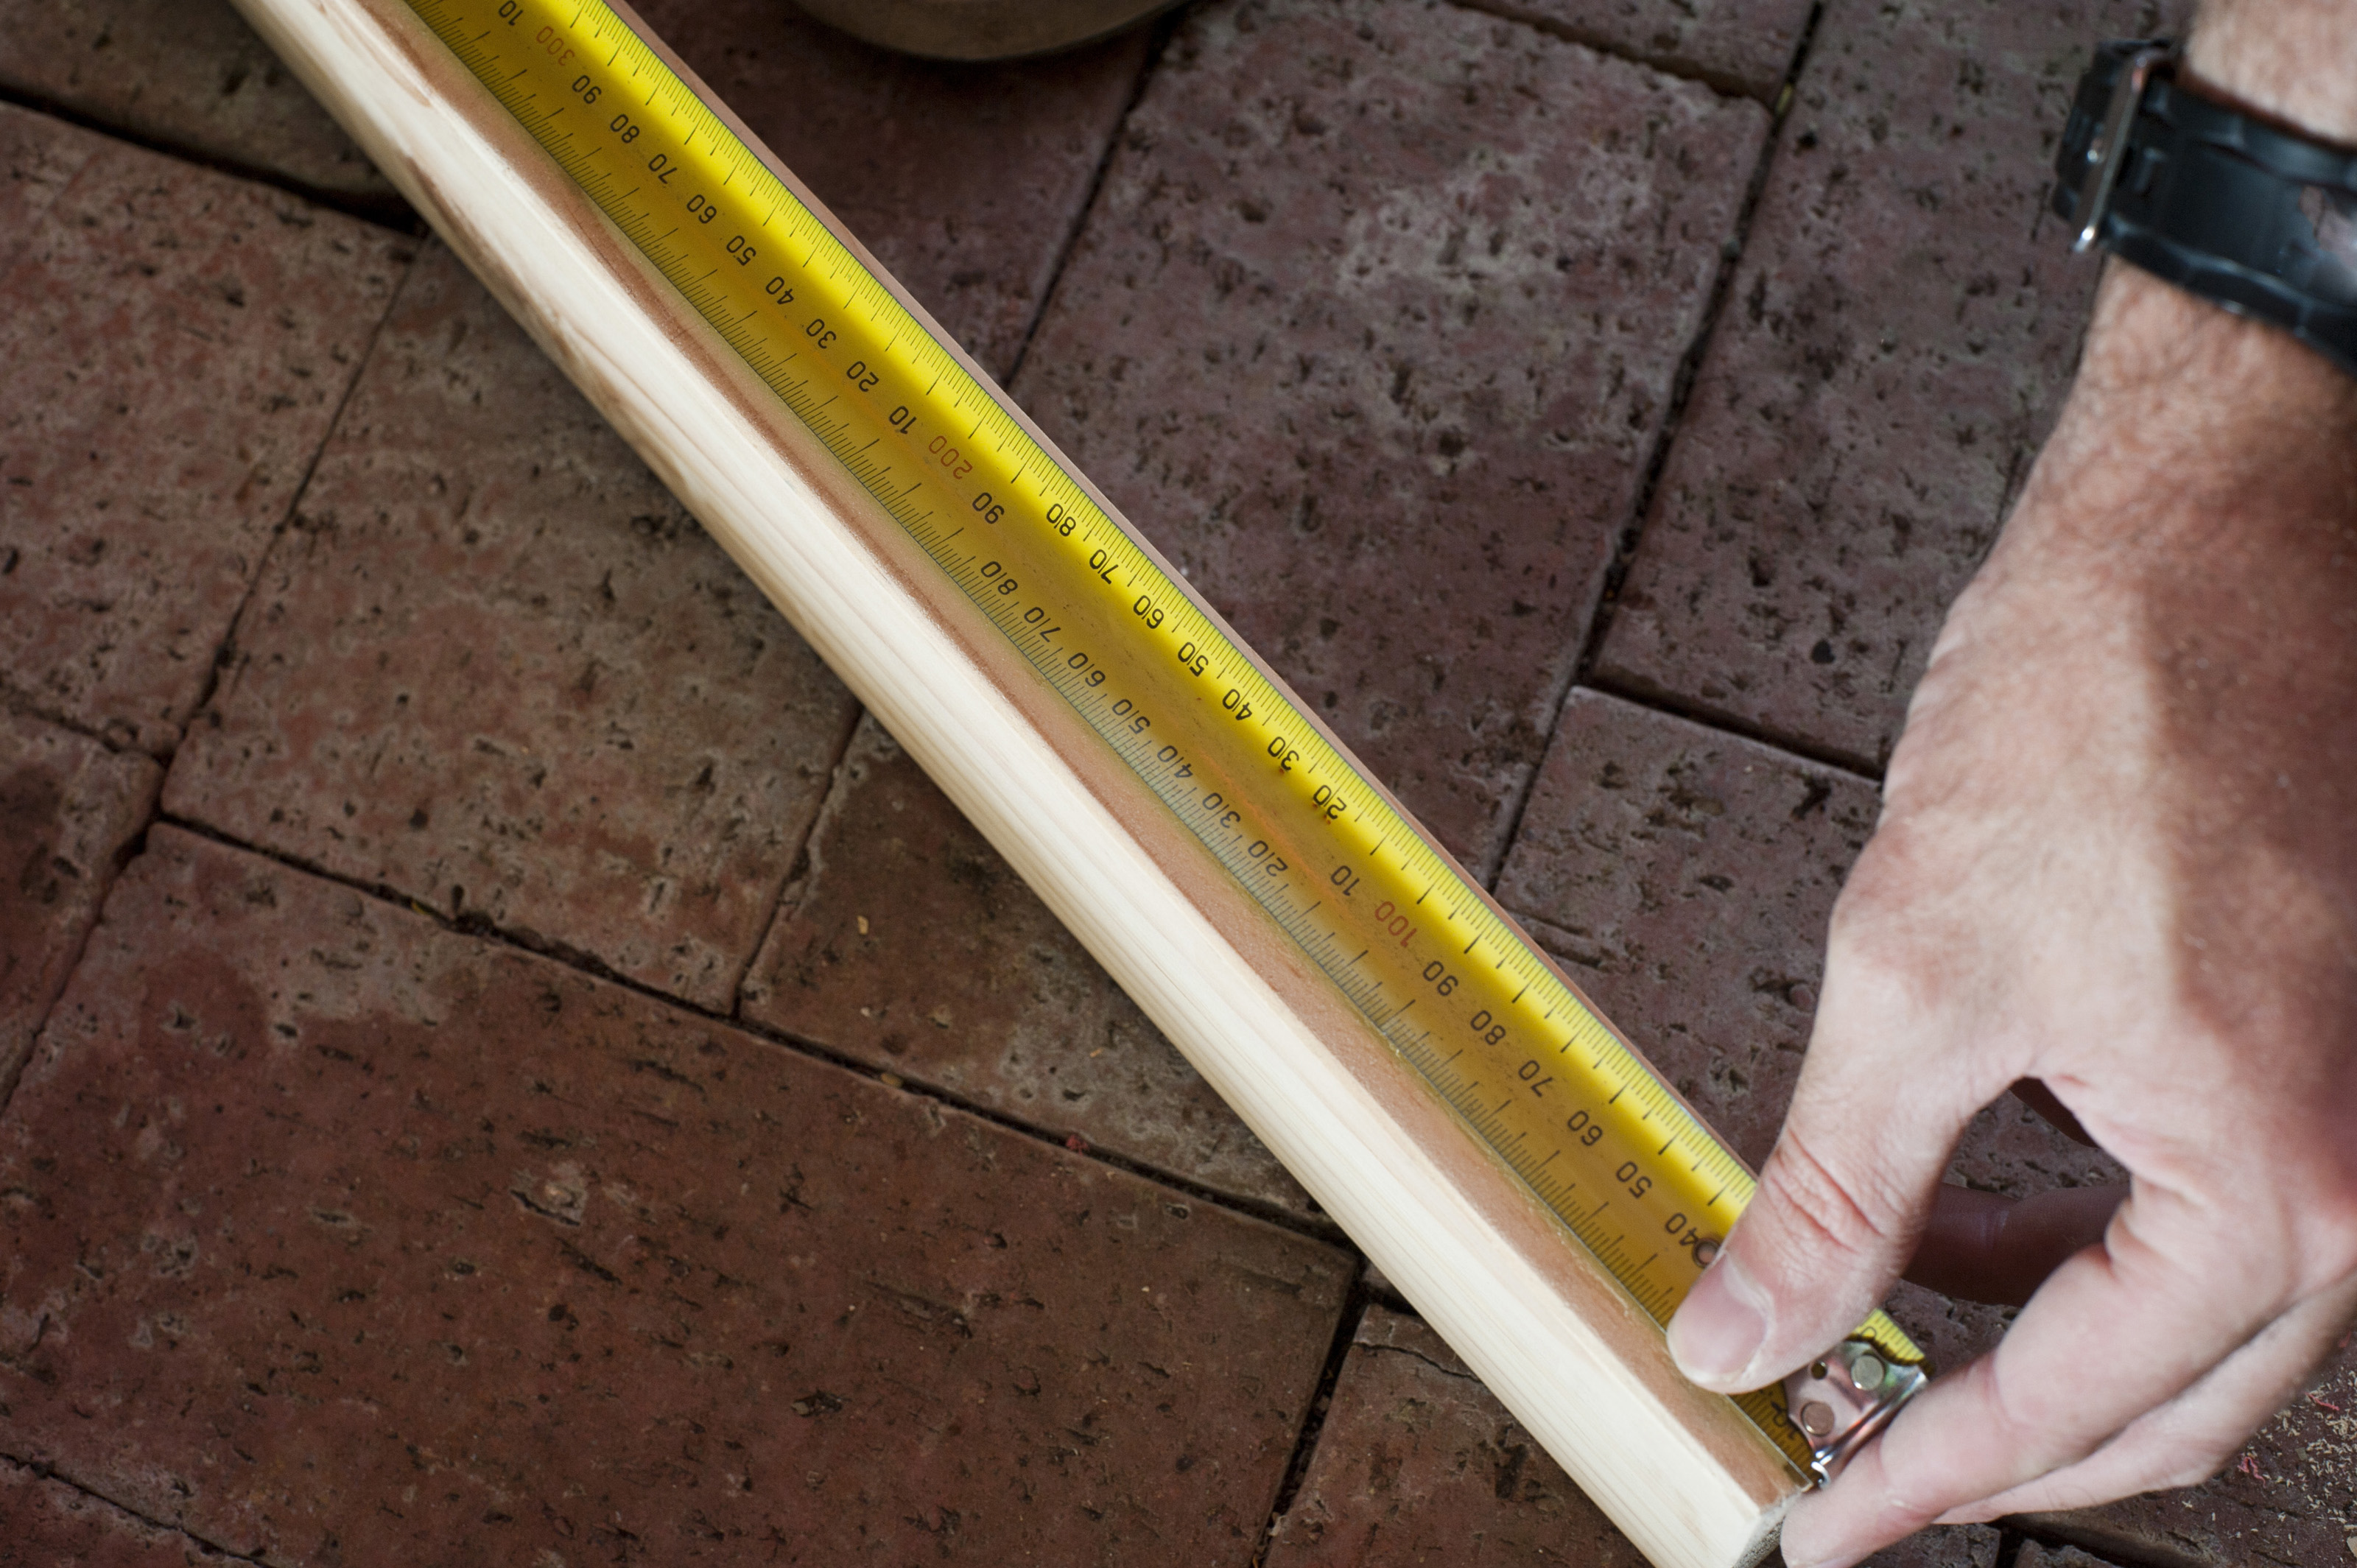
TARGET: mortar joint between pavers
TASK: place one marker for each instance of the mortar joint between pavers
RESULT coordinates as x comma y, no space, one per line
798,864
1313,1414
1661,700
1682,385
226,654
41,1469
1317,1227
393,215
1164,27
1723,85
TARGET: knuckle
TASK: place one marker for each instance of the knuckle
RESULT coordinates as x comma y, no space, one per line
1888,948
1839,1208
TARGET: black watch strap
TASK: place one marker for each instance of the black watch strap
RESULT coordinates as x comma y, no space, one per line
2222,204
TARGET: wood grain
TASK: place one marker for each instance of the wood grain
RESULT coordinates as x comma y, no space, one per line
1688,1478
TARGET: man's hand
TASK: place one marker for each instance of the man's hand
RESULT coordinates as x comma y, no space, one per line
2117,855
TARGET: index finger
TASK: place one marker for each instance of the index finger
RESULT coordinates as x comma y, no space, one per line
2116,1331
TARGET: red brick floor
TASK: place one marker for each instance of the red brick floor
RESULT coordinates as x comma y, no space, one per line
501,1061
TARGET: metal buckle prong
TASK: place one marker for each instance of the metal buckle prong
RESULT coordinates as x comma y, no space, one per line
2108,151
1841,1400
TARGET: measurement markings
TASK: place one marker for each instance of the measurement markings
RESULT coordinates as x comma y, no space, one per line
877,326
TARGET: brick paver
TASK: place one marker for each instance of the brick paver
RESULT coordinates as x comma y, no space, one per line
69,811
176,343
187,74
1740,46
966,181
333,1235
39,159
497,667
44,1523
911,946
1370,330
1895,344
1418,1465
1685,878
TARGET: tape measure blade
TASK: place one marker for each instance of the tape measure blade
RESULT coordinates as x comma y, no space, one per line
885,279
1221,626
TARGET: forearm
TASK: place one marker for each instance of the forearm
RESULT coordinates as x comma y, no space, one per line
2293,60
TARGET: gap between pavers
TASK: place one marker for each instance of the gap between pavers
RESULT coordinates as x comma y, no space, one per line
907,944
188,75
45,1524
69,810
1899,333
1736,46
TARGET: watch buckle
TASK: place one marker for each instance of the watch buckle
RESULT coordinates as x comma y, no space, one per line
2108,151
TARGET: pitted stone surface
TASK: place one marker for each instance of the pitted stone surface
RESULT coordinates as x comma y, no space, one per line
178,343
333,1235
1685,878
189,74
44,1523
1894,346
1742,46
966,181
910,945
1370,330
495,666
39,159
1417,1464
69,812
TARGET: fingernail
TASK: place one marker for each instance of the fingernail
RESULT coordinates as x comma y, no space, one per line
1719,1330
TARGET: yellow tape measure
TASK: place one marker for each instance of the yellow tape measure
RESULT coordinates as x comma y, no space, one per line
1455,988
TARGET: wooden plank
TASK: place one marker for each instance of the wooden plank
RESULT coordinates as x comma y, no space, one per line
1681,1472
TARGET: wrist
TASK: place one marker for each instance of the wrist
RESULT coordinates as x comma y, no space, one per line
2189,429
2294,62
2203,376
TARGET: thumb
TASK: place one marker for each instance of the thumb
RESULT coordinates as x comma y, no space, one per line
1841,1204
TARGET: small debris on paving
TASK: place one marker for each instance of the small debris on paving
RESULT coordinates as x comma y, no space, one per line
516,1066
